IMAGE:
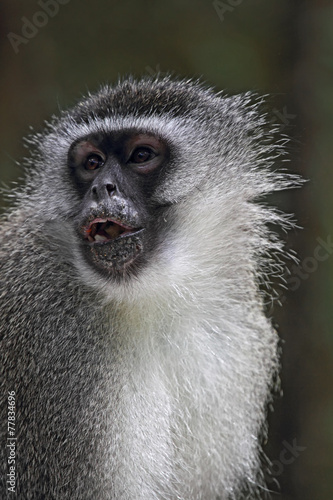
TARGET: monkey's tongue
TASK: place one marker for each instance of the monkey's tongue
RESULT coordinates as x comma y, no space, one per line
105,231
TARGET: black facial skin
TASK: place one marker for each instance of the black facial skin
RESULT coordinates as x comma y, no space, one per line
115,176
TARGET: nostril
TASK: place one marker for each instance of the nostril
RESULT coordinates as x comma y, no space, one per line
98,191
110,188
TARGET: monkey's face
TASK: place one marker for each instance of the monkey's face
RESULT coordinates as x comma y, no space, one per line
144,159
115,175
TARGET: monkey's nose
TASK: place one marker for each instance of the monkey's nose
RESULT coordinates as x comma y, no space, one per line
99,191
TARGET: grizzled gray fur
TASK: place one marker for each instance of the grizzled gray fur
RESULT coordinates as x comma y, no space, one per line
133,332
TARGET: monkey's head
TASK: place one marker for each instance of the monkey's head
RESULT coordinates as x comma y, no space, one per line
125,159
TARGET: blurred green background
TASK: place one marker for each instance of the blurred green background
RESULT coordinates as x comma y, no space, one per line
53,51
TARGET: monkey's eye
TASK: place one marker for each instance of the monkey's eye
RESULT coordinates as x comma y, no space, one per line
141,155
93,162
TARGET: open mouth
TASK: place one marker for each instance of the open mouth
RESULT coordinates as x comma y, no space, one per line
102,230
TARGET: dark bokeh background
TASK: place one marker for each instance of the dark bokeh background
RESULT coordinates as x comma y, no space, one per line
280,47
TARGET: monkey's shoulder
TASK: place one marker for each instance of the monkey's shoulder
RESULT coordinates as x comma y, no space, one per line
27,267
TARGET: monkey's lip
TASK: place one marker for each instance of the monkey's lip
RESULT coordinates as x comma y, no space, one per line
102,230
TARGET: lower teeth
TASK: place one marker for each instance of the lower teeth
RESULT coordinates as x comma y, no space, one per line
99,237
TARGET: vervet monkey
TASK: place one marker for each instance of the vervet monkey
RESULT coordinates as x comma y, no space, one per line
133,336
